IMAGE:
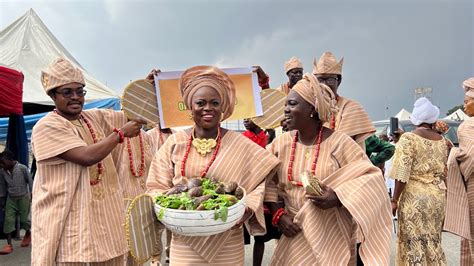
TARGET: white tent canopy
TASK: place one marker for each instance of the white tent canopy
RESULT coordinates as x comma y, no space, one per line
459,115
403,115
28,46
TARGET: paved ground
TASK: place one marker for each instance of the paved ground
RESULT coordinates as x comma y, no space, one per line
21,256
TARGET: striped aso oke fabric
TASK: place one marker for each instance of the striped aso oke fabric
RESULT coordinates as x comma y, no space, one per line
73,221
328,237
59,73
285,88
292,63
118,261
353,120
142,228
273,104
139,101
239,160
460,194
131,185
155,140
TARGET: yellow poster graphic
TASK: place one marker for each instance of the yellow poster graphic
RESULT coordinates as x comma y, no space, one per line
173,112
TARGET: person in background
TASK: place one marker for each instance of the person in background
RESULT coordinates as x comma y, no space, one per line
460,181
294,72
15,196
393,139
271,134
255,133
384,137
351,117
157,136
378,151
419,199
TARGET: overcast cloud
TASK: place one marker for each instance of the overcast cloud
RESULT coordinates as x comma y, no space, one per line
389,47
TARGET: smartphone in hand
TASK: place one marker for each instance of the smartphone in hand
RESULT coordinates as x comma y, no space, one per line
393,125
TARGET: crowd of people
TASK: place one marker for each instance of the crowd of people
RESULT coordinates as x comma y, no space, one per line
91,164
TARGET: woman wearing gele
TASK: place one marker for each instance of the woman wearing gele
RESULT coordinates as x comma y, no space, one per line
327,183
212,151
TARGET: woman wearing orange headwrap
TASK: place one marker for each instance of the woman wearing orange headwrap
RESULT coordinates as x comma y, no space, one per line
318,230
228,156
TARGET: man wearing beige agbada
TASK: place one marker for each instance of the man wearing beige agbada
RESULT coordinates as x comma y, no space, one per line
77,208
351,118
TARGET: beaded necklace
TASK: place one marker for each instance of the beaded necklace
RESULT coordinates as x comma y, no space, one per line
292,157
141,171
214,154
100,166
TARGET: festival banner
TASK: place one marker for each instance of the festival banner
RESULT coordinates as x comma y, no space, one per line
173,112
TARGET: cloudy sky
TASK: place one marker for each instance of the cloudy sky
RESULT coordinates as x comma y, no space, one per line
389,47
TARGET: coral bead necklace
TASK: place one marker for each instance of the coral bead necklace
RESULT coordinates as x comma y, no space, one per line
333,117
141,170
292,157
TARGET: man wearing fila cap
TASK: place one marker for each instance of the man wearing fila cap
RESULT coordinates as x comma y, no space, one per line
294,71
77,208
351,118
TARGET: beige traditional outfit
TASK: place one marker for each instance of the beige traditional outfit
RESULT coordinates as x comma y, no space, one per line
157,138
133,183
74,222
351,118
460,183
328,237
238,159
292,63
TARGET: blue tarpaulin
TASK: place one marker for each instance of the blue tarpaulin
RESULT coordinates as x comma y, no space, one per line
30,120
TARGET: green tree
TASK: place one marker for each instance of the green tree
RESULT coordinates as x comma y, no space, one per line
454,109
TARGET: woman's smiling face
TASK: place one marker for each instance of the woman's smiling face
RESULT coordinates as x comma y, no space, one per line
206,107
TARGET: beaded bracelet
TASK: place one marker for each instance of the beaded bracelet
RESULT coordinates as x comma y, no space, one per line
277,215
121,135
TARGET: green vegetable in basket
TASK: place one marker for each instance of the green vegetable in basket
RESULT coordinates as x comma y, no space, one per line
170,201
222,213
210,195
208,184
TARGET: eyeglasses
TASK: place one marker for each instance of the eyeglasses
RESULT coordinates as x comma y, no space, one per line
68,93
328,79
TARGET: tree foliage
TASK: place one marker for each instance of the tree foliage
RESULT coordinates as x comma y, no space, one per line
454,109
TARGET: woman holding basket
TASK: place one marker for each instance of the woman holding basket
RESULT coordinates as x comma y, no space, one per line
222,154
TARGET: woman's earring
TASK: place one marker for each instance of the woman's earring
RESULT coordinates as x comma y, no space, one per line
190,116
311,115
